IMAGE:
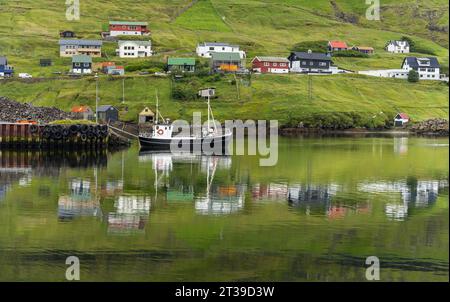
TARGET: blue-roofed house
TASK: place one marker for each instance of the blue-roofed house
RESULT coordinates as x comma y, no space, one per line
5,69
427,67
71,47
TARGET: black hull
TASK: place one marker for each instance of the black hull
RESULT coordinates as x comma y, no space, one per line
195,145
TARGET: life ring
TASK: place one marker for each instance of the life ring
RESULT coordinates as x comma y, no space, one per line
160,132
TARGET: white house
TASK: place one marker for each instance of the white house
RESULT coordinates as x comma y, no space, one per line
401,119
134,49
207,48
428,69
397,46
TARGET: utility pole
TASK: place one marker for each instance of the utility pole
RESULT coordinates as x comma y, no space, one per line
310,83
123,91
96,98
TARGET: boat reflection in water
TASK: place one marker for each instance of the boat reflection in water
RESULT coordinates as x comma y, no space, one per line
215,199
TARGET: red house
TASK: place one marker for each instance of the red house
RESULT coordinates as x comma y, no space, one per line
337,45
270,65
128,28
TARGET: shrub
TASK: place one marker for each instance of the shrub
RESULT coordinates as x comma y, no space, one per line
413,76
320,46
350,53
145,65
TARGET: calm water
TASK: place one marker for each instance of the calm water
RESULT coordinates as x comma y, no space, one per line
327,205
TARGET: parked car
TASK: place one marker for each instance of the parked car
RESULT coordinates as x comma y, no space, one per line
25,75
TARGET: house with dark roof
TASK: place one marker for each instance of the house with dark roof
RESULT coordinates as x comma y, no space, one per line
71,47
107,113
397,46
81,64
226,62
206,49
428,68
67,34
270,65
181,64
5,69
310,62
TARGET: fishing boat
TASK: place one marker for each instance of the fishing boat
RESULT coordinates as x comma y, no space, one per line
163,137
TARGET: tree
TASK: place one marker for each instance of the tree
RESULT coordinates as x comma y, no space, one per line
413,76
412,44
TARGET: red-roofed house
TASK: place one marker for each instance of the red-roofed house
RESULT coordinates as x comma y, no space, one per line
337,45
401,119
83,112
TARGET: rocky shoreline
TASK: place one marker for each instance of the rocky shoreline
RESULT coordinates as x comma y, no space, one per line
432,127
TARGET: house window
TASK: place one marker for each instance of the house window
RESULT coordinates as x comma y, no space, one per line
211,48
266,64
304,63
283,64
322,64
311,63
275,64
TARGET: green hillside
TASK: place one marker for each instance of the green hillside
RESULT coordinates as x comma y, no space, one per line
29,31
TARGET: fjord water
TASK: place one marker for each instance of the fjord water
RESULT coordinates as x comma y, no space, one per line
328,204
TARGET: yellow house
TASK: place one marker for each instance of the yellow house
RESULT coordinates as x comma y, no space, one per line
146,116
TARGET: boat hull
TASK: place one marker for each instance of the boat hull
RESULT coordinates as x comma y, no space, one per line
217,145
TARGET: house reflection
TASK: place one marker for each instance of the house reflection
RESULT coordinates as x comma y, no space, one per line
412,192
313,199
221,200
130,215
401,145
271,191
80,201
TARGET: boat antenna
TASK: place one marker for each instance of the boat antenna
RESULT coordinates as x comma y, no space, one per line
158,114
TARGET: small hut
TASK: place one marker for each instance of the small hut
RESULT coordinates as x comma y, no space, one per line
146,116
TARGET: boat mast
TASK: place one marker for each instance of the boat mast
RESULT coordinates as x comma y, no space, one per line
157,106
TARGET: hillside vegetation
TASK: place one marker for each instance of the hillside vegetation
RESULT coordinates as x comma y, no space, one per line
29,31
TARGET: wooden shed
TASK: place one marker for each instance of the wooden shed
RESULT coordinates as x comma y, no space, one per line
146,116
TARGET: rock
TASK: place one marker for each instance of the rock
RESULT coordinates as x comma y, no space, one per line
12,111
432,126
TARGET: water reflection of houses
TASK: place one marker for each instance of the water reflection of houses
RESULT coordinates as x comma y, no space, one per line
413,193
130,215
15,167
312,198
271,191
79,202
221,200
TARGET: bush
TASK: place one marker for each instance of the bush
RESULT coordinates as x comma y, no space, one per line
413,76
350,53
184,92
414,47
315,46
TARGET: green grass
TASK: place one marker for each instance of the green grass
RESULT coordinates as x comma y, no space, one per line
29,31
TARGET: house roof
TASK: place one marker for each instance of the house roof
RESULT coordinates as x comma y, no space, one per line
104,108
226,56
403,116
395,42
147,112
181,61
81,59
128,23
80,42
338,44
272,59
216,44
80,109
364,48
3,60
413,62
310,56
138,43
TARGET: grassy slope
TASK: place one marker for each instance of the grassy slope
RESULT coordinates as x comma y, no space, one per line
261,27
